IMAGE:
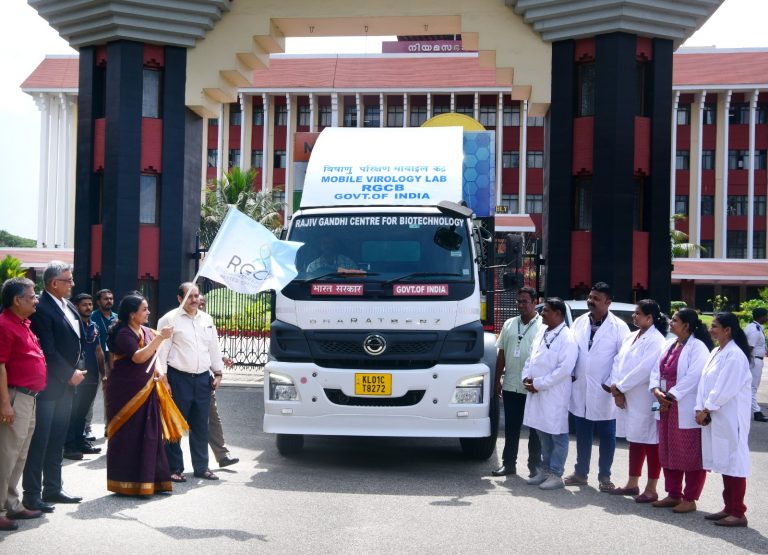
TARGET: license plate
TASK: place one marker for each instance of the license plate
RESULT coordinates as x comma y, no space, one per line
373,384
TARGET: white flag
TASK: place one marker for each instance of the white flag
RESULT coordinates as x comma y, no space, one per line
248,258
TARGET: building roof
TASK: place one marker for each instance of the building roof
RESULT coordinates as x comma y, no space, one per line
55,73
733,271
38,258
700,67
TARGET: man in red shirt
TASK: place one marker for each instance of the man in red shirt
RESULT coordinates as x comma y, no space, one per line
22,377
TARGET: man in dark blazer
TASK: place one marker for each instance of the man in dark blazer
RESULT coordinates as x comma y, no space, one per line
58,327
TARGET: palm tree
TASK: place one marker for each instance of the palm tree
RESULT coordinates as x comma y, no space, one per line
681,248
236,189
10,267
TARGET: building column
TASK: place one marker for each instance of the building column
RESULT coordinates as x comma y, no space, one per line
334,109
289,131
62,177
359,110
429,105
499,147
522,159
453,102
694,161
266,163
721,180
43,102
405,110
246,130
312,113
673,164
381,110
54,172
220,144
751,177
476,110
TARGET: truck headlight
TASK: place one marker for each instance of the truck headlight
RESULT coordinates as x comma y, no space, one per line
282,388
469,391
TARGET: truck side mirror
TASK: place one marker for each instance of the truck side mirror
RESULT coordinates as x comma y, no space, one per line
514,248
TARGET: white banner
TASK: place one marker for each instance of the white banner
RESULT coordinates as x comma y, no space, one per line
248,258
384,166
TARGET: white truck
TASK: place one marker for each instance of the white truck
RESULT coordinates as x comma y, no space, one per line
380,334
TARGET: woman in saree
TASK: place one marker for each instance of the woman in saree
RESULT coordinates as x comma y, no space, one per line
136,460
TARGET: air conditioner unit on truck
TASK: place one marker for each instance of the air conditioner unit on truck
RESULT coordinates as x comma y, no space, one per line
380,333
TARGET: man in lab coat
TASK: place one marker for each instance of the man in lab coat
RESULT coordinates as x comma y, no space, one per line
599,335
547,378
756,339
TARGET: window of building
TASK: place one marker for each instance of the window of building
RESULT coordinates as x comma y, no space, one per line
586,90
738,114
682,160
737,244
511,116
710,114
372,117
681,204
759,205
418,115
304,117
761,157
466,109
350,116
257,158
281,115
535,122
534,204
150,98
213,122
280,159
582,191
737,205
258,115
324,118
278,195
438,109
234,157
708,205
511,202
235,114
761,117
510,159
684,114
148,199
488,116
739,159
707,249
213,153
758,244
394,116
535,159
707,159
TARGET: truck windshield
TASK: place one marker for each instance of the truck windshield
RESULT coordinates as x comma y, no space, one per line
383,247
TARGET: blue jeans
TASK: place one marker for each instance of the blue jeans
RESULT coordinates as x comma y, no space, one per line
192,394
606,431
554,451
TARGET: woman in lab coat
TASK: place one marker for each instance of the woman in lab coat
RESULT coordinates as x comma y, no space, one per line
630,378
724,408
674,382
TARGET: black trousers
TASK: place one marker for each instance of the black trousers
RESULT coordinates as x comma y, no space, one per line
514,408
85,393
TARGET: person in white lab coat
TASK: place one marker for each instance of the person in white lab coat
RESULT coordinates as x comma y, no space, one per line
674,382
724,408
756,339
630,379
599,335
547,378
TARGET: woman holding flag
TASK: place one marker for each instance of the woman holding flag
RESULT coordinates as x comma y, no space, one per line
138,413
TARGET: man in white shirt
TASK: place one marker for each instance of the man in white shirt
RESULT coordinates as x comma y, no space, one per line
756,339
187,360
599,335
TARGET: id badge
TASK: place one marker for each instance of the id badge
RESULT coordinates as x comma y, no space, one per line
516,352
663,384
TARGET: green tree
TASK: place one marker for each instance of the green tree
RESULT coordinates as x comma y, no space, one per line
14,241
236,189
681,248
746,308
10,267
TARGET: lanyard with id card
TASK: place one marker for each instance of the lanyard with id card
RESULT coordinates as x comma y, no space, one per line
520,335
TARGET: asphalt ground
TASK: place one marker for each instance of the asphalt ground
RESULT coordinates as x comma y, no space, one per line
374,495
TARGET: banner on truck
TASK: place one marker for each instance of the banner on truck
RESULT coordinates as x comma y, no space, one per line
384,166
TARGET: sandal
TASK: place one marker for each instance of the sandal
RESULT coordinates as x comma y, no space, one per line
206,475
178,477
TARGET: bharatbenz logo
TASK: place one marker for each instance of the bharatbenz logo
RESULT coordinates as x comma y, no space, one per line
374,345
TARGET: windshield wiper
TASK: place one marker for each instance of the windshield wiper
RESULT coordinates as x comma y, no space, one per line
356,274
420,274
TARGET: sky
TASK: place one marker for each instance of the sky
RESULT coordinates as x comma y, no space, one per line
25,39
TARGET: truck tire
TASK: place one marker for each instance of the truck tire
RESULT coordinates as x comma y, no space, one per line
481,448
290,444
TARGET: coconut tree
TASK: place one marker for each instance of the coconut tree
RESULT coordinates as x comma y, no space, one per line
10,267
681,247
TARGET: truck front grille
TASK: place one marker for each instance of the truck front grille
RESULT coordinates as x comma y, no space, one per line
337,397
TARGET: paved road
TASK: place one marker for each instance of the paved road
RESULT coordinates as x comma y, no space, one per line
353,495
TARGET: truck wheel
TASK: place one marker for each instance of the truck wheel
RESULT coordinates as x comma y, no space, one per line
290,444
480,448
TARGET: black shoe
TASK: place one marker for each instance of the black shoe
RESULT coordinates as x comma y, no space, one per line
89,449
760,417
61,497
37,505
88,434
73,455
228,461
504,470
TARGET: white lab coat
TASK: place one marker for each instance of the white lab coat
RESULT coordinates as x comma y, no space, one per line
725,390
551,369
593,368
631,373
691,362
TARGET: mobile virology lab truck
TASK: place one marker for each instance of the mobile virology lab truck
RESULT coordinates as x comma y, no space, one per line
380,333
